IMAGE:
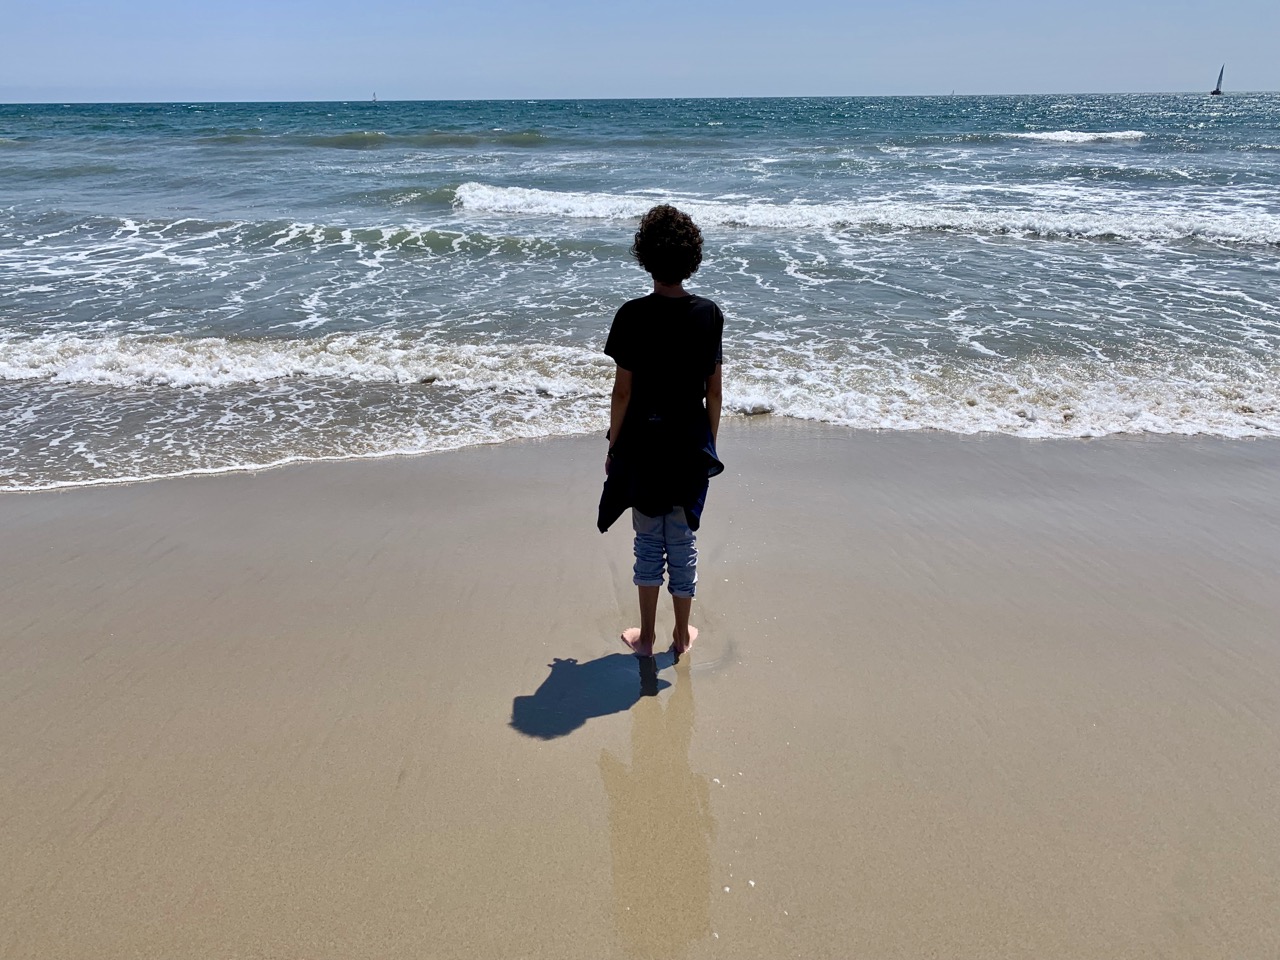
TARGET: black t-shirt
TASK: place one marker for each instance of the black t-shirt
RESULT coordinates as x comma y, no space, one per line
671,345
665,453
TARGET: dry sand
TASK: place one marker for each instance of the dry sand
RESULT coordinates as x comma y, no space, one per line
970,698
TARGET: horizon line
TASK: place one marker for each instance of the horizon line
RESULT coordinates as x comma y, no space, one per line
826,96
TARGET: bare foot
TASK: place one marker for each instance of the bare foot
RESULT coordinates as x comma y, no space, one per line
631,637
681,648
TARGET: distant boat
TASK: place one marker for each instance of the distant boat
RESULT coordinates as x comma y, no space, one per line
375,93
1217,91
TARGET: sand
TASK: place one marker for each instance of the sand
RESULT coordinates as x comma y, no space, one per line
952,698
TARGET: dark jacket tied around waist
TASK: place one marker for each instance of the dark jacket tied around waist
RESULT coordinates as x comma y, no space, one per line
658,467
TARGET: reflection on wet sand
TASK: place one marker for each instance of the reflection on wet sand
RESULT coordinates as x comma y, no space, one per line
660,830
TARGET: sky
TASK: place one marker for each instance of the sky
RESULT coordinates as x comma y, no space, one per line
180,50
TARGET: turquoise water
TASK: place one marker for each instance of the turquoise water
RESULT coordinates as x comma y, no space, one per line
196,287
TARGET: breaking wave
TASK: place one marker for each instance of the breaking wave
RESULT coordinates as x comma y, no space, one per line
1078,136
134,361
197,235
1036,397
1114,222
90,410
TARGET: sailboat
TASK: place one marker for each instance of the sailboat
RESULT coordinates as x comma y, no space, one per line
1217,91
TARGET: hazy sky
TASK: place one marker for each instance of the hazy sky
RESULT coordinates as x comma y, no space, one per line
72,50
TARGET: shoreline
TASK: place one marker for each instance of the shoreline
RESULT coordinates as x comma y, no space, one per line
964,696
735,422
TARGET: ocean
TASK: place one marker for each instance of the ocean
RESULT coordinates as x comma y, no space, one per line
190,288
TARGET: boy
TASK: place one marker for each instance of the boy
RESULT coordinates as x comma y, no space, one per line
664,416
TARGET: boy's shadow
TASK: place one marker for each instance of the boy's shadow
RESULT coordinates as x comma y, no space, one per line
575,692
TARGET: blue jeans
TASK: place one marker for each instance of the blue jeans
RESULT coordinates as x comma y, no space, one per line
666,537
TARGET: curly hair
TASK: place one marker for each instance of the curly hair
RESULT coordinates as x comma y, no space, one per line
668,244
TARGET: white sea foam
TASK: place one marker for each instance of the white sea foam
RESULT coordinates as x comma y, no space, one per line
1043,398
174,407
134,361
1109,217
287,421
1079,136
259,404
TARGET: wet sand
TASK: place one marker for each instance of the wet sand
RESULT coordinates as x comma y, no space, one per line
952,697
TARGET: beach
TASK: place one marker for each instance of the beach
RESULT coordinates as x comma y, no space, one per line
953,696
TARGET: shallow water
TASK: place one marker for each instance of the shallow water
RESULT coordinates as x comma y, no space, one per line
194,287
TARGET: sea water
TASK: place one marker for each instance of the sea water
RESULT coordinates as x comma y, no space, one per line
201,287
